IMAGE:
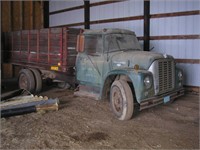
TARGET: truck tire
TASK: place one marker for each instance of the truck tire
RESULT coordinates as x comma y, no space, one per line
121,100
26,80
38,80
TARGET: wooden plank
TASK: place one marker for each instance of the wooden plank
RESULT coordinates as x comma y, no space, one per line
67,9
175,14
172,37
16,15
175,37
117,19
31,15
11,16
188,61
7,70
82,6
192,89
5,16
106,2
104,21
21,15
27,23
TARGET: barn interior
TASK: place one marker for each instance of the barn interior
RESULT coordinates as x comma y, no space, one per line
80,122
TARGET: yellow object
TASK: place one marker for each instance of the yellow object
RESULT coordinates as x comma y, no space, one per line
54,68
58,64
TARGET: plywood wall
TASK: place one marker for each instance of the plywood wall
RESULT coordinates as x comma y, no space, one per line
18,15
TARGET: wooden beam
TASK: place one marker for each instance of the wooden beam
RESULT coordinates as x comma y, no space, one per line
106,2
87,14
146,24
192,89
82,6
46,14
66,9
172,37
31,14
104,21
117,19
188,61
175,14
175,37
21,15
11,16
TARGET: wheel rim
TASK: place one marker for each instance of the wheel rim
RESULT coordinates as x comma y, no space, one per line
23,82
117,100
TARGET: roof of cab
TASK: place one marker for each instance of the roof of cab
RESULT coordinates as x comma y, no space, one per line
108,31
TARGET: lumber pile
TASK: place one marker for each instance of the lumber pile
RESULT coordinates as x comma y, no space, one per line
27,104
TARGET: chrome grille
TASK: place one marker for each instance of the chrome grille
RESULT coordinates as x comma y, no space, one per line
163,74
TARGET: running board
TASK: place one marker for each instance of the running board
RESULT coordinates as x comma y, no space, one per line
85,91
87,94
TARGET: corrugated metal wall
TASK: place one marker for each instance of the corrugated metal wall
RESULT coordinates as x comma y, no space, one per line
67,17
181,25
181,48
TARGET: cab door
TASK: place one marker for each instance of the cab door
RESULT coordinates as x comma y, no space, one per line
89,63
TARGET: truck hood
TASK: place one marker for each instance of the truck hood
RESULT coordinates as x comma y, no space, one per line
131,58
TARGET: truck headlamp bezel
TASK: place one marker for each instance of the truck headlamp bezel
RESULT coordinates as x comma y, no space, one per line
148,82
180,75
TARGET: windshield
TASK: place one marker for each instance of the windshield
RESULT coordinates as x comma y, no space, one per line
121,42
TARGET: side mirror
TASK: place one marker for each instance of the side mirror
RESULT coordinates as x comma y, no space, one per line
80,43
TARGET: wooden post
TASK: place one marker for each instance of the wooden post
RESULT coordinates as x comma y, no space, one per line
87,14
21,15
146,24
31,15
45,14
11,16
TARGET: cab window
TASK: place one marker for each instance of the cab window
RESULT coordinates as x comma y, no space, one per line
93,44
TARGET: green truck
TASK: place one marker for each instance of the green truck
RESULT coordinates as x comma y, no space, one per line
105,64
111,65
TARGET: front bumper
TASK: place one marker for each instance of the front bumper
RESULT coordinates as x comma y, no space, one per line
153,101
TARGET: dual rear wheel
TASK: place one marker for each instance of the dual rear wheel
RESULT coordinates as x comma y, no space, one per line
31,80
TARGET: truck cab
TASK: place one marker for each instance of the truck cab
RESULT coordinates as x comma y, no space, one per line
111,65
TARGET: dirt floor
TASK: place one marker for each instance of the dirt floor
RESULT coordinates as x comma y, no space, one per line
83,123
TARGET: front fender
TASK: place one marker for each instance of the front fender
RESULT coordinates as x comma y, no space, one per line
137,79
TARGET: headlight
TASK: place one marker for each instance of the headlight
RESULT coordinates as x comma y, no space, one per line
147,82
180,76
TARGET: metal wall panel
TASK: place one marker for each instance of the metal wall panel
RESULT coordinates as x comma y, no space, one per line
168,6
191,74
182,25
117,10
187,49
55,5
68,17
136,26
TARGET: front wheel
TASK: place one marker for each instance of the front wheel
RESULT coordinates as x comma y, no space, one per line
121,100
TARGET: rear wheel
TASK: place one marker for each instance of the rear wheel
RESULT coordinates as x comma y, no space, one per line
38,80
121,100
26,80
